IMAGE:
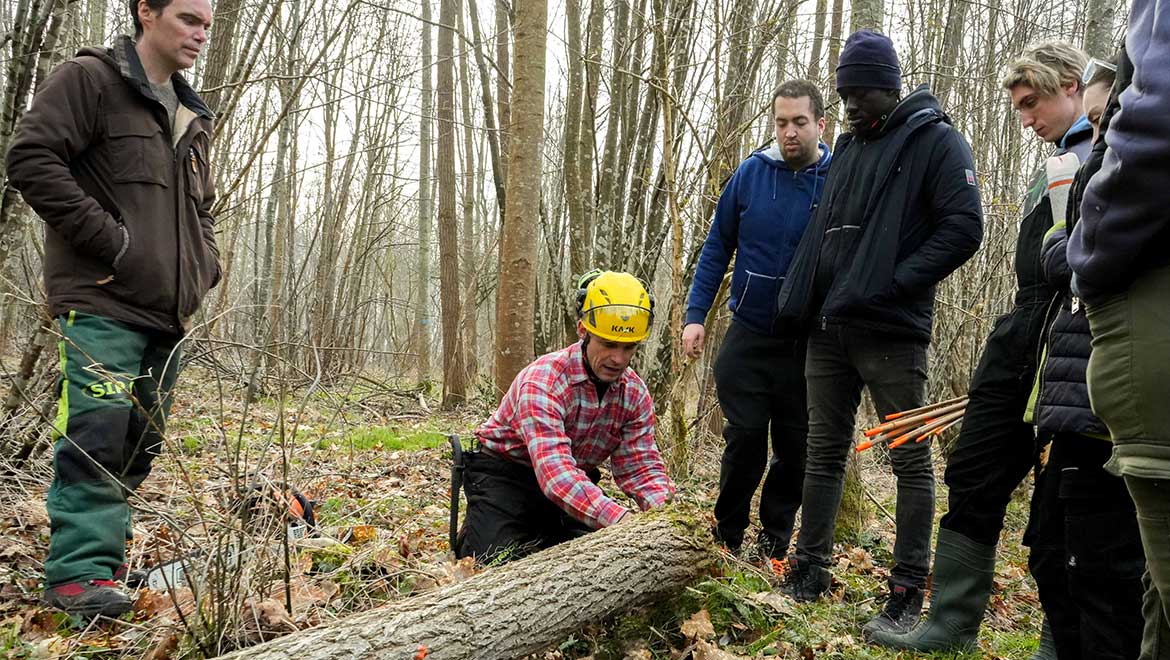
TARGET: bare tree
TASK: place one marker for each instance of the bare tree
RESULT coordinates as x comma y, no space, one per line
468,254
421,345
1101,18
867,14
454,372
514,312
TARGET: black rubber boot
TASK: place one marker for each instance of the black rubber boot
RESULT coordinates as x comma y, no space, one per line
963,572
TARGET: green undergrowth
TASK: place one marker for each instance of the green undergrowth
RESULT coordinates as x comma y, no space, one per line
385,438
751,620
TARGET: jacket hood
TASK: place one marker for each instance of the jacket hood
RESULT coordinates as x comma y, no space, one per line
123,57
1080,129
917,107
773,157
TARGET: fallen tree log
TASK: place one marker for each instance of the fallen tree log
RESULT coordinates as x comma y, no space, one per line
521,607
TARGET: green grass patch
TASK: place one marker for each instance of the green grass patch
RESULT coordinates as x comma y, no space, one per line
191,444
385,438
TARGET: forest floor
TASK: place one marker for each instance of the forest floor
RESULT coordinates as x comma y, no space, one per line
376,462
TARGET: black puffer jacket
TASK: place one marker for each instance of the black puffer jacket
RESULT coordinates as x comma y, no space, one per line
922,220
1062,403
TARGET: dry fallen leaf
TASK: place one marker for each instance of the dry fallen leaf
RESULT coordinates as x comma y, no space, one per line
778,602
151,604
698,626
267,619
638,651
458,571
708,651
860,558
164,647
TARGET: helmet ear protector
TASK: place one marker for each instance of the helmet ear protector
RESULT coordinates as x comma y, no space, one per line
583,288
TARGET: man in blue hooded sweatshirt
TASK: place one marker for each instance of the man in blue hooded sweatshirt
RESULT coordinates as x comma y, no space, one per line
759,372
900,212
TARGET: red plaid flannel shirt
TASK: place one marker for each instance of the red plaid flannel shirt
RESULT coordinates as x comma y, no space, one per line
551,419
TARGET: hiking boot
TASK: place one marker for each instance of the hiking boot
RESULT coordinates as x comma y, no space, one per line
732,541
770,547
132,579
899,614
960,588
805,582
88,599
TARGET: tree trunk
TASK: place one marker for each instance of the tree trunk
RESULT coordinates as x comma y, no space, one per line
504,83
814,59
867,14
454,372
220,53
469,191
579,247
524,606
494,136
421,346
608,175
1101,15
835,41
514,311
948,70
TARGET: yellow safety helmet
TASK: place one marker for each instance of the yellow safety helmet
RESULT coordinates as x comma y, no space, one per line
615,306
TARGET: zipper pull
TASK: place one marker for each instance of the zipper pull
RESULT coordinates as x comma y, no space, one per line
824,323
1075,305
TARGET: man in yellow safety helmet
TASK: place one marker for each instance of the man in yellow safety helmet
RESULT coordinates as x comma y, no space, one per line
533,481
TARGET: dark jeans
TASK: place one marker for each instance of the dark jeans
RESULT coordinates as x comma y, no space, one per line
995,448
1087,555
1152,500
508,515
760,383
841,360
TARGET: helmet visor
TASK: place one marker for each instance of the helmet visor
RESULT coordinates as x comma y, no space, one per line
627,323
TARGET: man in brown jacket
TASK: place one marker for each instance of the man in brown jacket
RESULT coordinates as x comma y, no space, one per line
113,156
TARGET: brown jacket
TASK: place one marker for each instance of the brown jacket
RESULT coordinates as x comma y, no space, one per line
127,206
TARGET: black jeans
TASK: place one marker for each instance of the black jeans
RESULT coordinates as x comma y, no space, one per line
841,360
995,448
508,515
1087,555
760,383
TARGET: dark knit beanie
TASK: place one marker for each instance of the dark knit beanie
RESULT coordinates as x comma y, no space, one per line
869,60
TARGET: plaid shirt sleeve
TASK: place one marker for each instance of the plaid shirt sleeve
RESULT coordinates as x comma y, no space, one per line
541,419
637,466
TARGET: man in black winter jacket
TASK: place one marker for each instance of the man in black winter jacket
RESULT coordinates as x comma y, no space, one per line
900,212
996,448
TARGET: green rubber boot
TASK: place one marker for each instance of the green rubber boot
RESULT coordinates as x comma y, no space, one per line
1047,649
963,571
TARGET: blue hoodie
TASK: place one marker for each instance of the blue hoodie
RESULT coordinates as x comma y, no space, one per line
760,217
1125,228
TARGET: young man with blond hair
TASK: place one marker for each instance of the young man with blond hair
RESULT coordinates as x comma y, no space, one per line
996,448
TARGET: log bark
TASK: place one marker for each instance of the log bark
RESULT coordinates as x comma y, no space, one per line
524,606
